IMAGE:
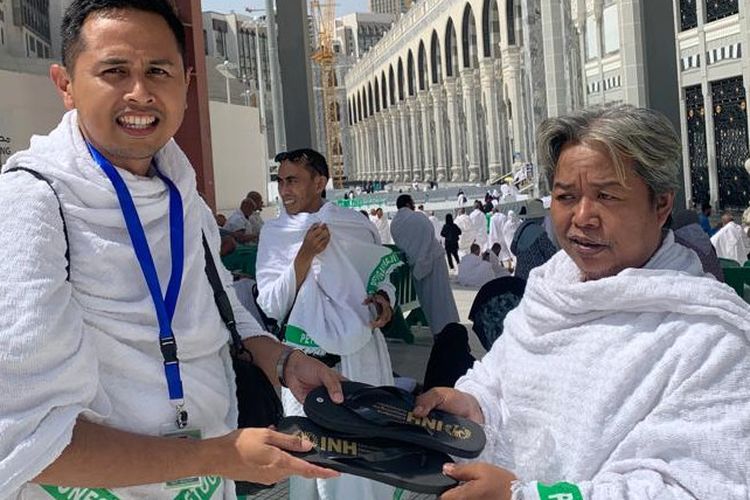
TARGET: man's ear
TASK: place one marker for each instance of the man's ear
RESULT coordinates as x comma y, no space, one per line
664,205
64,85
320,182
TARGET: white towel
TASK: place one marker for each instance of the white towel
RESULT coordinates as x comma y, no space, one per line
729,242
89,346
632,386
329,305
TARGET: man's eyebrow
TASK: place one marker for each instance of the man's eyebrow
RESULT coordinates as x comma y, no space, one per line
113,61
161,62
600,185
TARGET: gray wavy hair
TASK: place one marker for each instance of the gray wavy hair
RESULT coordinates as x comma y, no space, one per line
625,132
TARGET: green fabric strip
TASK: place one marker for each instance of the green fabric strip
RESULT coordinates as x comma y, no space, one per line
382,270
208,487
559,491
296,335
67,493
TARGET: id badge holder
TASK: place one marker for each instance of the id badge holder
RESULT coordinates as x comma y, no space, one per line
169,431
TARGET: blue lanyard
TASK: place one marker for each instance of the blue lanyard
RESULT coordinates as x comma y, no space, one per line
165,306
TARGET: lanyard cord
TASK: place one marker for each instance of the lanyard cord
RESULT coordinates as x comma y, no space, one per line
164,306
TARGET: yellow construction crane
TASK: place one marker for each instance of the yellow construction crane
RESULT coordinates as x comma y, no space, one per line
324,21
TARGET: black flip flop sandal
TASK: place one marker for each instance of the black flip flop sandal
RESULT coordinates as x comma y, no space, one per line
397,464
386,412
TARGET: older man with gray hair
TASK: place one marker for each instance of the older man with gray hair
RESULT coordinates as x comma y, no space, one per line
623,372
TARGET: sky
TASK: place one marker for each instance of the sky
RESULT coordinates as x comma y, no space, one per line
342,6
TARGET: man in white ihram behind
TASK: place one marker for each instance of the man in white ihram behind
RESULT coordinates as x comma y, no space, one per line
322,271
623,373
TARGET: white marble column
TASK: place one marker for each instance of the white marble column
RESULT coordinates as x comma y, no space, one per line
386,138
451,103
354,141
366,147
440,157
506,156
492,117
361,151
373,147
403,170
512,78
380,166
425,111
416,163
470,112
396,149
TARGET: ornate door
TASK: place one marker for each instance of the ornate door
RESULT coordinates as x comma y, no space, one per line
730,126
696,136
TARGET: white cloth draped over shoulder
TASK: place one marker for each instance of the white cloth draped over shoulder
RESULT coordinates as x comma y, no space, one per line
328,315
437,226
510,226
729,242
479,224
631,386
89,346
474,272
467,233
497,222
414,234
384,230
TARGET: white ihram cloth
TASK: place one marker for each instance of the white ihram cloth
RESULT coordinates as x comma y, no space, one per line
381,223
510,226
437,226
89,346
633,386
497,265
729,242
414,234
474,272
328,308
497,221
479,223
236,221
467,234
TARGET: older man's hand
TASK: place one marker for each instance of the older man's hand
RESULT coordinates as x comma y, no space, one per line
303,374
449,400
479,481
383,307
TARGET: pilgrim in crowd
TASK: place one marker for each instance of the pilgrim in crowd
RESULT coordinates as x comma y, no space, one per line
313,251
414,234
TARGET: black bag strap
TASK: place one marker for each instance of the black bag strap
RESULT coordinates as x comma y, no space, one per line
222,300
59,207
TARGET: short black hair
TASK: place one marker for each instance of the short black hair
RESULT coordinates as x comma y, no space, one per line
78,11
310,158
404,201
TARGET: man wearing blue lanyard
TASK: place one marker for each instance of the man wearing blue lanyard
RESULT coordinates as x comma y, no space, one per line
111,344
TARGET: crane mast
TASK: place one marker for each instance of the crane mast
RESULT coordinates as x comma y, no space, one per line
324,21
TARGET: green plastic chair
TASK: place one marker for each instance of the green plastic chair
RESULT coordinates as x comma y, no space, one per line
728,263
746,264
739,279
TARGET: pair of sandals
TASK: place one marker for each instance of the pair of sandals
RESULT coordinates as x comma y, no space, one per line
374,434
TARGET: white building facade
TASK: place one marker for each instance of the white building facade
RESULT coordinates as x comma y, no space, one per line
714,78
390,6
355,35
451,94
